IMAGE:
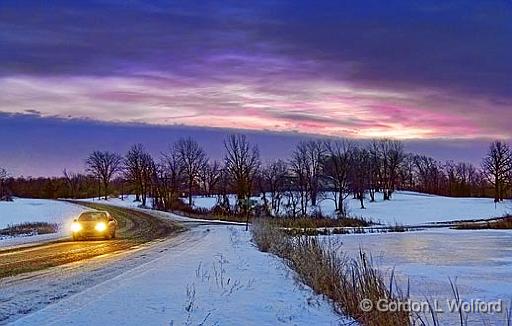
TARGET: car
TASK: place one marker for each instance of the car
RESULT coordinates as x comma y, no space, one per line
94,224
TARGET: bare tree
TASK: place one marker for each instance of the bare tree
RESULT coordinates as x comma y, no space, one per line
407,172
104,166
274,176
389,155
429,174
133,168
337,167
74,181
461,178
223,190
360,173
451,175
139,166
374,169
193,159
209,177
299,181
242,162
497,166
4,191
306,165
294,199
170,179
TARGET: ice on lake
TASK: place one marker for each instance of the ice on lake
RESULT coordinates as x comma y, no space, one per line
479,261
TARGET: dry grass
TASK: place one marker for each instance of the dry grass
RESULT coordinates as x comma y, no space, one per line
207,216
345,281
323,222
32,228
501,224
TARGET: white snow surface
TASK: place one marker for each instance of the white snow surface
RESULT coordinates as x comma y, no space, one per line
220,278
23,210
412,208
407,208
128,201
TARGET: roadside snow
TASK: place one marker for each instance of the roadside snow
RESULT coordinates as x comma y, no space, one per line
23,210
219,279
128,201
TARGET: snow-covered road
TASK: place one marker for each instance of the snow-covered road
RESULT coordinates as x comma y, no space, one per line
210,274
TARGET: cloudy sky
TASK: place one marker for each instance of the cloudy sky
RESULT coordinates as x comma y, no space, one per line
422,71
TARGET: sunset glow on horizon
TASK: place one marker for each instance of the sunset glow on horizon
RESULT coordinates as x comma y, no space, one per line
319,107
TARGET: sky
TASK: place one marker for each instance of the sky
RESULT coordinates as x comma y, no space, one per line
435,74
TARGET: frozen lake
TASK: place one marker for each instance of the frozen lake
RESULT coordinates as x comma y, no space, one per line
480,261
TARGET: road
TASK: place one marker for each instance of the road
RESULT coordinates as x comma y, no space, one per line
66,267
27,293
135,228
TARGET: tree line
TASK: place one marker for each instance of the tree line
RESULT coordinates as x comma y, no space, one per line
316,170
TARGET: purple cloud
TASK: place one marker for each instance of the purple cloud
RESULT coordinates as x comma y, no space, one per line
401,69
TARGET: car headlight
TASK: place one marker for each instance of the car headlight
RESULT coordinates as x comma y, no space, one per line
100,227
75,227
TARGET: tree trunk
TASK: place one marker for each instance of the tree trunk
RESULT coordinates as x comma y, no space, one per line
361,200
105,185
190,182
496,191
313,198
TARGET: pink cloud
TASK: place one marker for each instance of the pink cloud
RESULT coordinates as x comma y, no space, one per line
310,106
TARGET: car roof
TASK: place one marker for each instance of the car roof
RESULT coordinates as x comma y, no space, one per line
94,211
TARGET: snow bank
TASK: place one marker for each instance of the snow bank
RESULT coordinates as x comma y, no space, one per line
128,201
23,210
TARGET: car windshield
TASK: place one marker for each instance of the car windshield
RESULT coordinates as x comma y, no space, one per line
92,216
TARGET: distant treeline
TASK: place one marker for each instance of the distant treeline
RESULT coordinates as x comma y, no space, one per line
338,168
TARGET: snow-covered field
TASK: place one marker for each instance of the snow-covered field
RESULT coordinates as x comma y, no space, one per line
217,279
480,262
407,208
23,210
412,208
